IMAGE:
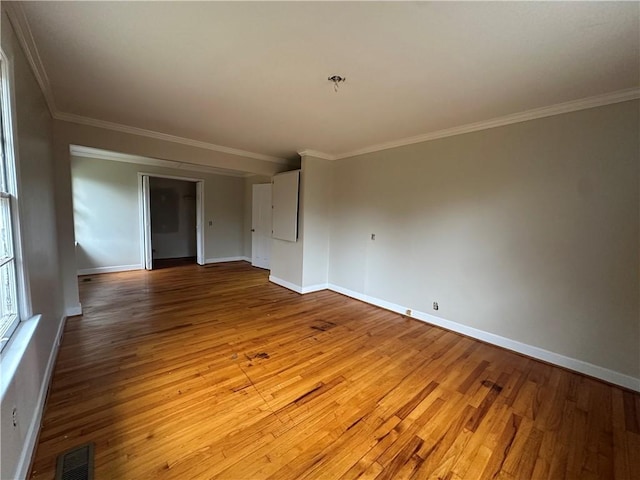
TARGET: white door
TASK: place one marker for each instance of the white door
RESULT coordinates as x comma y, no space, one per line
261,226
199,223
146,223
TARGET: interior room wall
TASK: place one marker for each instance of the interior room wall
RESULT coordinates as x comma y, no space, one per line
303,266
106,219
316,226
173,237
28,359
66,133
286,256
528,231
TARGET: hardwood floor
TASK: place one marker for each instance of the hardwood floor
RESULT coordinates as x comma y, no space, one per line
213,372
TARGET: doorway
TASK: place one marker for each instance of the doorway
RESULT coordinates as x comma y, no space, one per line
171,220
261,230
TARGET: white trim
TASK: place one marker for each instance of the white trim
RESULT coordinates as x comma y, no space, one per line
314,288
22,30
558,109
11,363
73,311
172,177
114,269
25,37
34,429
317,154
12,162
200,222
285,284
141,220
226,259
99,154
576,365
145,229
298,288
117,127
14,351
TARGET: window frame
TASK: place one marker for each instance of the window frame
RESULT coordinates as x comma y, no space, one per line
11,177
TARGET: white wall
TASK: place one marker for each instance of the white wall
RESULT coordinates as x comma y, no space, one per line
286,257
67,133
106,213
316,176
303,266
181,241
528,231
27,361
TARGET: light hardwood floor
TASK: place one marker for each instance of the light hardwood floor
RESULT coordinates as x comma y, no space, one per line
213,372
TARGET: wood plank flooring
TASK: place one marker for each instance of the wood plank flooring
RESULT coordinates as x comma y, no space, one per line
213,372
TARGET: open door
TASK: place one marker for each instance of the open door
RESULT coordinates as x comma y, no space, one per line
146,223
199,223
144,201
261,226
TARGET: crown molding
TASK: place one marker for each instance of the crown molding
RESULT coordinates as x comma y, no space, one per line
88,152
316,154
558,109
21,27
92,122
20,24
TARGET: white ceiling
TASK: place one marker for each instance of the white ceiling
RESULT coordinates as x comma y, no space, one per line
253,76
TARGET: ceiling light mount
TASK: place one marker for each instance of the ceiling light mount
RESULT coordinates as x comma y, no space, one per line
337,80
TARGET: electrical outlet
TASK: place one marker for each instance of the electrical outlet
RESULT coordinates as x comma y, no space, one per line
14,417
408,312
435,305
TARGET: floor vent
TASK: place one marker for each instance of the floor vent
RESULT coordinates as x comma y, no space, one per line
76,464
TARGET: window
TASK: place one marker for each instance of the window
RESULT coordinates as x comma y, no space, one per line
9,311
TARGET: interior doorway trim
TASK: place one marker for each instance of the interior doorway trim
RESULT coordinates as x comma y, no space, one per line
144,216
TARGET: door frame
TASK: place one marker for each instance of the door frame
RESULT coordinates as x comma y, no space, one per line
255,187
144,217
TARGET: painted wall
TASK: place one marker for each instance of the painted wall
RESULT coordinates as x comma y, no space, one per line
105,200
316,175
173,218
528,231
303,266
287,257
68,133
27,361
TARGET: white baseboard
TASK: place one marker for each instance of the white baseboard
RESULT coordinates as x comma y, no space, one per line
117,268
73,311
227,259
314,288
576,365
31,437
298,288
285,284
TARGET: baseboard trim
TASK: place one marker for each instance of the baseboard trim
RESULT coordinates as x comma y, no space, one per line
576,365
73,311
227,259
33,433
115,269
285,284
314,288
298,288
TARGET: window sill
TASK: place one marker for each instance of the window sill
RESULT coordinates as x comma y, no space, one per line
14,351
